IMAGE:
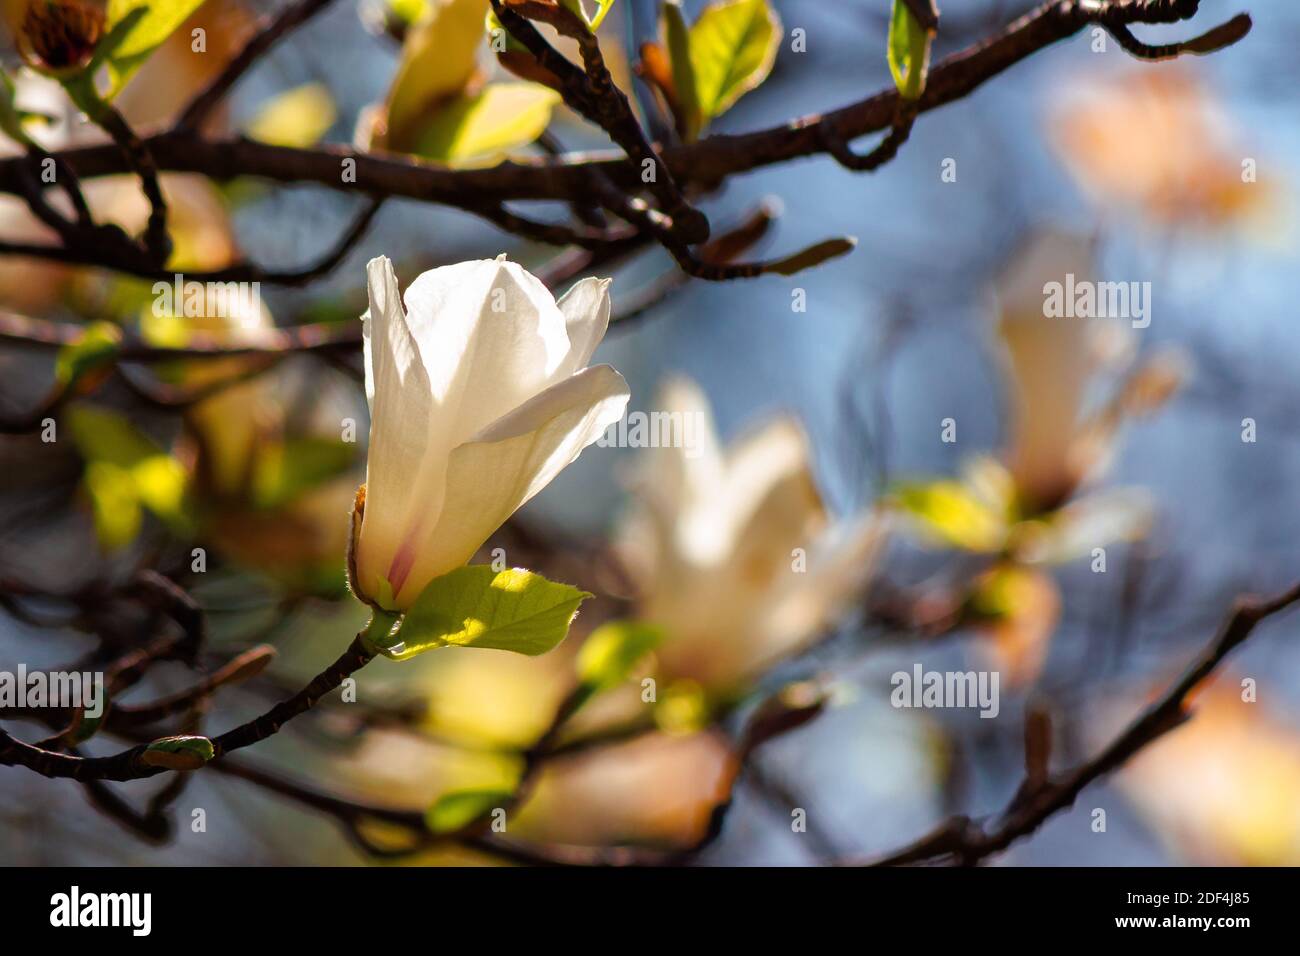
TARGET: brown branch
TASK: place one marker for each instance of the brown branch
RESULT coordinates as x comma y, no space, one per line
140,159
131,764
778,715
967,842
311,337
884,151
594,95
704,164
84,251
269,31
239,668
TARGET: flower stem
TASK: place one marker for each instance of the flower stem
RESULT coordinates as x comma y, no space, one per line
377,635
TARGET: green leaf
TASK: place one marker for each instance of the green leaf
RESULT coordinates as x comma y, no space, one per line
377,634
178,753
133,36
103,435
612,650
408,11
114,504
683,708
156,479
457,810
580,8
951,512
502,117
678,39
908,51
733,47
602,9
287,469
439,58
298,117
97,347
475,606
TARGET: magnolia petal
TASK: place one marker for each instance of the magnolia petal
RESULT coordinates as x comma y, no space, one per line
586,318
492,338
506,464
813,600
766,499
401,404
1050,361
1095,521
677,480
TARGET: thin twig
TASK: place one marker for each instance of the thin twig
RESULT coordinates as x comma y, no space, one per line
269,31
965,841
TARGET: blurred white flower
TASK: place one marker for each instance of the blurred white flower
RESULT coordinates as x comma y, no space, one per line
732,551
479,396
1060,435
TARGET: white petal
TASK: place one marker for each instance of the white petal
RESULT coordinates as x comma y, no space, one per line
811,602
508,463
586,318
492,337
677,480
766,492
401,405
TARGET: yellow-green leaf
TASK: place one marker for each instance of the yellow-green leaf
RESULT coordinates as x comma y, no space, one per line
908,51
602,10
439,58
287,469
612,650
480,128
298,117
733,47
183,752
951,512
103,435
475,606
677,38
458,809
580,8
97,347
114,505
157,480
683,708
408,11
124,50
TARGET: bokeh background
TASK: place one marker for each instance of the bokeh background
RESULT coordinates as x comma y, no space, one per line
1075,160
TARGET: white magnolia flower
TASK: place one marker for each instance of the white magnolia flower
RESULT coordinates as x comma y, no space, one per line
1058,367
734,552
479,395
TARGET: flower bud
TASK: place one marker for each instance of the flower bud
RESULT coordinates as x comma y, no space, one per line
61,34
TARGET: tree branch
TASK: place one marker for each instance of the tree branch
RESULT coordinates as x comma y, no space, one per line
702,165
967,842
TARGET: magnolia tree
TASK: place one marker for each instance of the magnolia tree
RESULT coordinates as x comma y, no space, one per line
122,280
